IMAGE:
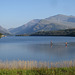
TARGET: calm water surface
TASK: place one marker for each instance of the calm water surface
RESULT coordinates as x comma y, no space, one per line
37,48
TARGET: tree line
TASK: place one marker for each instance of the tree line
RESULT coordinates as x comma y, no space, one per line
67,32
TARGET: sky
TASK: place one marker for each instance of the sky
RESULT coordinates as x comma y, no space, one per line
14,13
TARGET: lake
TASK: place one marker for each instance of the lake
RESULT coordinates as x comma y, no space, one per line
37,48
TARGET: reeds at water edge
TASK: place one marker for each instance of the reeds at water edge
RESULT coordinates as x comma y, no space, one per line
34,64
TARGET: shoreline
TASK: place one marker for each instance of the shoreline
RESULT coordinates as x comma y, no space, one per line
34,64
11,68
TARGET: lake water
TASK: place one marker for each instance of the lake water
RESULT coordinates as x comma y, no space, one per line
37,48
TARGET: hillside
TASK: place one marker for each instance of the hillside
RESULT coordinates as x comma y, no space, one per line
0,35
26,28
53,23
67,32
4,31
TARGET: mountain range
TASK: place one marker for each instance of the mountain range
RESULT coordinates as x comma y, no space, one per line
57,22
52,23
4,31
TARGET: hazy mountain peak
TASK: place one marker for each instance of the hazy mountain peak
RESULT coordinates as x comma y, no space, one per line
57,16
60,15
31,23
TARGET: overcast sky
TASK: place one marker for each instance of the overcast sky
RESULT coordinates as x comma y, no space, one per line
14,13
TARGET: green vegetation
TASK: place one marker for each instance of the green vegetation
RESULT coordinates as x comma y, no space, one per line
67,32
0,35
41,71
37,68
22,35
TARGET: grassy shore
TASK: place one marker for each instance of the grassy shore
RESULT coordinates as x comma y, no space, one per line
37,71
37,68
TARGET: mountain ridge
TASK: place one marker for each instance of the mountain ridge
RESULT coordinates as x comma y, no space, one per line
4,31
56,22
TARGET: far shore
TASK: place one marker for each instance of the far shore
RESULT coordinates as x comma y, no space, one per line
46,35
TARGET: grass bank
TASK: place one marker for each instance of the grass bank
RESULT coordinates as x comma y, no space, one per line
37,71
37,68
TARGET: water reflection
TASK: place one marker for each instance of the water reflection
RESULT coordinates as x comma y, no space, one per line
36,50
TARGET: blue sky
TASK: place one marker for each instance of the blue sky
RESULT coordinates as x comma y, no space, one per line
14,13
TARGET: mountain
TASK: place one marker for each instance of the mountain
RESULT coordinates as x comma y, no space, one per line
4,31
53,23
26,28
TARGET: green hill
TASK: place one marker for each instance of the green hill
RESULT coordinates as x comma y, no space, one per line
67,32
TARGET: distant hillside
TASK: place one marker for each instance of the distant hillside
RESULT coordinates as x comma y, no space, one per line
26,28
67,32
53,23
4,31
